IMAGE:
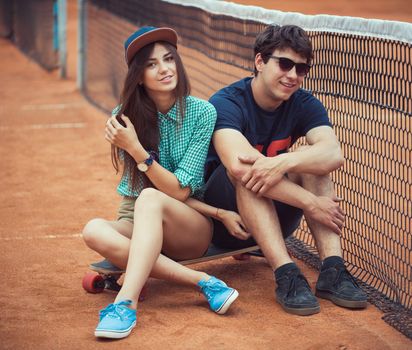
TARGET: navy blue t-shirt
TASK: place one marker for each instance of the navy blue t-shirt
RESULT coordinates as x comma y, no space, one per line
272,132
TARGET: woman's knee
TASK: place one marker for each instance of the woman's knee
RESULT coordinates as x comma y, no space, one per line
91,231
150,199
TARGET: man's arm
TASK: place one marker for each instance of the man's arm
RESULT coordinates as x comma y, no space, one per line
320,157
230,144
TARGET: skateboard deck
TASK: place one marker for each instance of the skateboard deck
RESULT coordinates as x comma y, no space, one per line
108,274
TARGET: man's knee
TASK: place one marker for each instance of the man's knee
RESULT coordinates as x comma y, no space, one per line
317,184
231,178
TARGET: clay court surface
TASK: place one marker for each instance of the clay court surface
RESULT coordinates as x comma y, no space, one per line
56,175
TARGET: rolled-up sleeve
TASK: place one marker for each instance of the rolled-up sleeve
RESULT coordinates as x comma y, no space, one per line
190,169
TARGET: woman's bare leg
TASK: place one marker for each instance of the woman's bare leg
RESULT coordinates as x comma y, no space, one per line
110,239
163,224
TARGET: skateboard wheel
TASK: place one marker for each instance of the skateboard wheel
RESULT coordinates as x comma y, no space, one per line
93,283
244,256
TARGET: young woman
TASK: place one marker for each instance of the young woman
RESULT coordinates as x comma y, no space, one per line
161,134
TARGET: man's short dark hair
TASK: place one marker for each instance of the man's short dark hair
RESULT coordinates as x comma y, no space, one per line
283,37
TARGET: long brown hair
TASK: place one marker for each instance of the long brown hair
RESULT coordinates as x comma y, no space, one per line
136,104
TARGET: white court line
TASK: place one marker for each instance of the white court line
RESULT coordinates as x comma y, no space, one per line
21,238
51,107
45,126
57,126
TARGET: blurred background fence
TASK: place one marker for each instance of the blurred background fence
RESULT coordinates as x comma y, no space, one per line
362,73
37,27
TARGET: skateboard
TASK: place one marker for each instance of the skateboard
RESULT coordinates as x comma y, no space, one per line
106,275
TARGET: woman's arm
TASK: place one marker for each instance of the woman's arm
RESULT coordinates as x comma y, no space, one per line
230,219
126,139
188,176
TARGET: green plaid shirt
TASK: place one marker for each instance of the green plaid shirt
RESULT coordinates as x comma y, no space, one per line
183,146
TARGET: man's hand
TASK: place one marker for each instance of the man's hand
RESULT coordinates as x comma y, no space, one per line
328,212
264,173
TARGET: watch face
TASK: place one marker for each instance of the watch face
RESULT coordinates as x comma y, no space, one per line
142,167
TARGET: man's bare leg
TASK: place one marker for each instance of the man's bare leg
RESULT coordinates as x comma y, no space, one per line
259,214
334,283
260,217
327,242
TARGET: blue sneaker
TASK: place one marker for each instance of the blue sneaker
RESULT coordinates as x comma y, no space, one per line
218,294
116,321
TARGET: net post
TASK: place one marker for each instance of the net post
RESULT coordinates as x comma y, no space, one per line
62,25
81,38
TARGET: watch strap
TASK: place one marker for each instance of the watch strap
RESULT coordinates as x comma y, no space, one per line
144,166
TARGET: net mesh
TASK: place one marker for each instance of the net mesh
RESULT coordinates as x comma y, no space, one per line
362,77
31,25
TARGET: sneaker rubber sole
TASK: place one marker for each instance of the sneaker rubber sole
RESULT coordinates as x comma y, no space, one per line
301,311
350,304
113,334
230,299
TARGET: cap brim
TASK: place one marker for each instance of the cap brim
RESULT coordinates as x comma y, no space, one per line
159,34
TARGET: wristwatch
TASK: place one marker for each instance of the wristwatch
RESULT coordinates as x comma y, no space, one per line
144,166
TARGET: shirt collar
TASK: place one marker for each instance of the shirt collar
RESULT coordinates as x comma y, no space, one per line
171,114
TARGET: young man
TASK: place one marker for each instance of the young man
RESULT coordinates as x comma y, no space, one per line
253,172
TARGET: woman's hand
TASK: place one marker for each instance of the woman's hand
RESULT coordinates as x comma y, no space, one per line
233,223
120,136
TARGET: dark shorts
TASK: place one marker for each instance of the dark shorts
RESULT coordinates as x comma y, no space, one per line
220,193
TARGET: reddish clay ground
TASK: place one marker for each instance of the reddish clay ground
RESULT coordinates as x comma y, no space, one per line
56,174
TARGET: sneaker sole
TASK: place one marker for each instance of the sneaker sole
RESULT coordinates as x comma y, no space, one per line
350,304
114,334
302,311
306,311
225,306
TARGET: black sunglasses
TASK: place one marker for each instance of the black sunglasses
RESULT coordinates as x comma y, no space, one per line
287,64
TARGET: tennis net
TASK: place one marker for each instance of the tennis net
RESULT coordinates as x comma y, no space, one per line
362,73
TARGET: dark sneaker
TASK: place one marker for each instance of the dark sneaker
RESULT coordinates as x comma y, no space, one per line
294,294
338,285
